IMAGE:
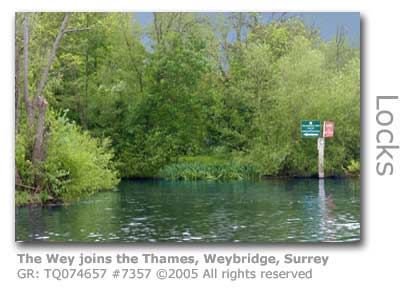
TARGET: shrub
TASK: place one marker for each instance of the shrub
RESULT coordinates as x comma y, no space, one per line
354,168
77,164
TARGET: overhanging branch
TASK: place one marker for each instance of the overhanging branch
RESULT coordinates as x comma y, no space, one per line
77,30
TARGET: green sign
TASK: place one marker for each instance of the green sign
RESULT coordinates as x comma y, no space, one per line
310,129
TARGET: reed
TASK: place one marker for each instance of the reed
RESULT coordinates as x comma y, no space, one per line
213,170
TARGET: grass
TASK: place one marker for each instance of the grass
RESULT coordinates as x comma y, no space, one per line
207,168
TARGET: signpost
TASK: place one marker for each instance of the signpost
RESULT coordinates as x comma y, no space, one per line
328,129
321,146
312,129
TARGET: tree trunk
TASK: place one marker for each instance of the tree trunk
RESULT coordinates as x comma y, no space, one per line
52,55
17,102
16,88
17,180
84,108
39,150
28,103
157,27
134,64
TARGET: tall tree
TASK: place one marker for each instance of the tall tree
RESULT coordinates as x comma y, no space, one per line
38,103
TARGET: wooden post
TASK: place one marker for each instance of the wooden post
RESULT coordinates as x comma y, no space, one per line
321,146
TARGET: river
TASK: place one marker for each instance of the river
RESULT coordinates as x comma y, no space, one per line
297,210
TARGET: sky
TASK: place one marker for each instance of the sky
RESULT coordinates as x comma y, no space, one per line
327,22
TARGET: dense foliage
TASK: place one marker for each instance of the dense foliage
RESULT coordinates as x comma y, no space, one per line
77,164
188,85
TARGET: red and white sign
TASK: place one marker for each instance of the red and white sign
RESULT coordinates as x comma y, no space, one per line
328,129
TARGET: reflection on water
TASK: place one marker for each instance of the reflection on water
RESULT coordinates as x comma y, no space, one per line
153,210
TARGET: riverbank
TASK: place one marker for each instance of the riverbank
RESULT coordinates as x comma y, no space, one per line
220,167
229,167
23,199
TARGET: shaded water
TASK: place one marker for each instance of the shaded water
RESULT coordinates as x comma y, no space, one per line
153,210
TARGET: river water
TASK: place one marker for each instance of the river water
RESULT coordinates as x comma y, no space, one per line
178,211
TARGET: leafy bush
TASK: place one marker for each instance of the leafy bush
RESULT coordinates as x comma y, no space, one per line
24,166
77,165
354,168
